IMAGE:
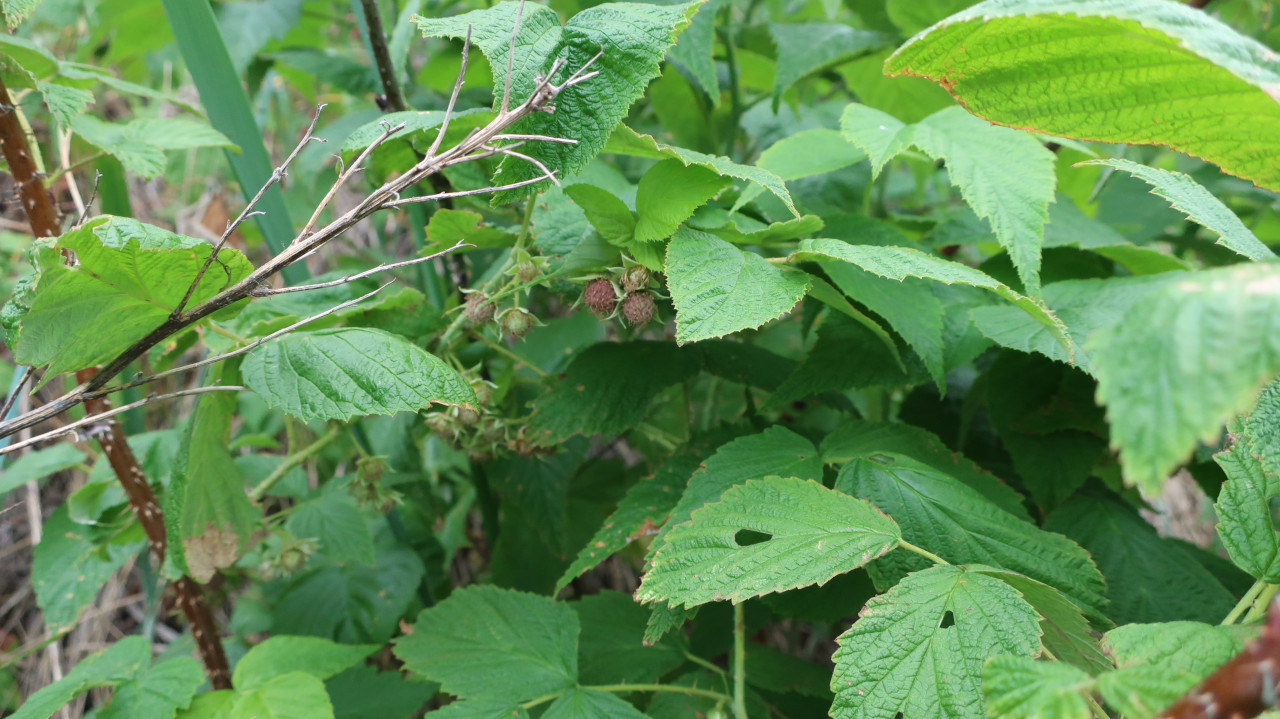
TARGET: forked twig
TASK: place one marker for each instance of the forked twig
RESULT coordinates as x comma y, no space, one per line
360,275
346,174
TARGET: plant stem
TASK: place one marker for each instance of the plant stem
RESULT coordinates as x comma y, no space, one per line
922,552
394,98
506,352
293,460
1245,602
739,662
1261,604
623,688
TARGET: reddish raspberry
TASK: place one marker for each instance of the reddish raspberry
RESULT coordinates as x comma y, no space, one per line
477,309
638,309
600,297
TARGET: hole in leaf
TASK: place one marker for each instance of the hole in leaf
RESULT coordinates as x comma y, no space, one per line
899,715
748,537
948,620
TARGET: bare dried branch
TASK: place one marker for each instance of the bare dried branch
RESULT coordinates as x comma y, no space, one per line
360,275
533,161
511,58
465,193
537,138
387,131
453,97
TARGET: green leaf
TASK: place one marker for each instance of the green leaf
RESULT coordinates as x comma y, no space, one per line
448,227
591,704
939,513
607,389
64,102
1246,522
39,464
694,50
719,289
821,290
1145,72
334,519
899,263
804,48
1262,428
281,655
130,278
342,373
295,695
363,692
415,122
1149,578
919,649
668,194
15,11
1158,663
1004,175
70,565
812,534
1022,688
117,663
1199,205
207,508
806,153
1184,359
140,144
605,211
827,367
646,504
495,643
612,648
912,16
626,141
158,691
1064,630
633,37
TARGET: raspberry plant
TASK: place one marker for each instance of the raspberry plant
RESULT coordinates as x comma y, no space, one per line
716,359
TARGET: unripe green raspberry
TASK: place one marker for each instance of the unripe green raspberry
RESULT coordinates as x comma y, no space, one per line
516,322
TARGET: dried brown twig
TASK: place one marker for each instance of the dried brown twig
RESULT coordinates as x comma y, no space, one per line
479,143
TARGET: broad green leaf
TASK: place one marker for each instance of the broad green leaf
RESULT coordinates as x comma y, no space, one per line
719,289
363,692
481,709
115,664
581,703
294,695
806,153
607,389
1064,630
1022,688
626,141
448,227
1199,205
939,513
494,643
130,278
645,505
64,102
668,194
909,99
139,145
347,372
1158,663
1262,427
337,523
39,464
1182,360
1070,227
158,691
822,291
918,650
694,50
280,655
15,11
612,649
29,56
1004,175
633,37
1145,71
899,263
72,562
813,533
1246,522
804,48
605,211
827,368
1149,578
208,515
861,439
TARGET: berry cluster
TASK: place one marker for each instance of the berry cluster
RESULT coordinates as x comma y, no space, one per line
624,293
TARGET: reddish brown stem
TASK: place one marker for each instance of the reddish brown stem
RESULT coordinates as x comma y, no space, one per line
1242,688
43,219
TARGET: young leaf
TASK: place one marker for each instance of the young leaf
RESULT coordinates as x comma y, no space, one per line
381,373
117,663
1149,578
899,263
605,211
1200,206
1146,72
1182,360
1246,522
632,39
1262,428
626,141
280,655
494,643
295,695
71,563
64,103
806,153
130,278
607,389
804,48
719,289
363,692
943,515
668,194
1158,663
918,649
813,533
1005,176
1022,688
158,691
